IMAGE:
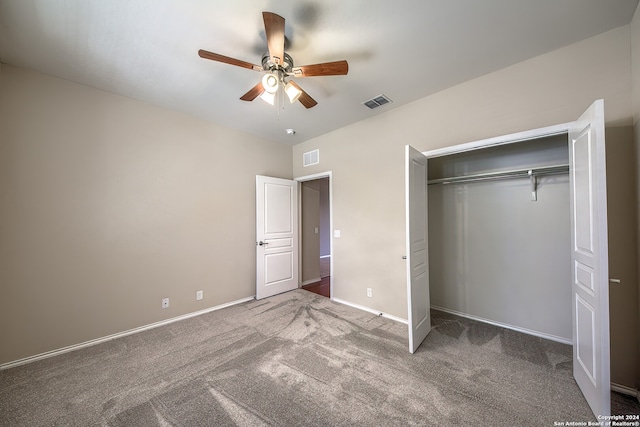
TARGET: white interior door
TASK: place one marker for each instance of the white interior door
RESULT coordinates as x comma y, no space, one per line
589,259
276,236
417,247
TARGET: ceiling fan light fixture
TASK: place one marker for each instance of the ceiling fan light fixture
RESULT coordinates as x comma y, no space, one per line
270,83
268,97
292,92
277,66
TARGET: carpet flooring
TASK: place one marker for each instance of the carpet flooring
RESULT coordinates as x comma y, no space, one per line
299,359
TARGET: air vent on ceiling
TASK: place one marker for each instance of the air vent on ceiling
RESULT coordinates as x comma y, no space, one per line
377,101
311,158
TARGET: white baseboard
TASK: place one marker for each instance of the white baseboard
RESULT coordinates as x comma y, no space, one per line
310,281
370,310
89,343
623,389
506,326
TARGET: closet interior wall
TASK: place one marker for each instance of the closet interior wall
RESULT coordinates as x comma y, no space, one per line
494,253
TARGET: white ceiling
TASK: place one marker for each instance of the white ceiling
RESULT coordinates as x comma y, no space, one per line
405,49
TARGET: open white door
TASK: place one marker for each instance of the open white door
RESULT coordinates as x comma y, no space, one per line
589,259
276,236
417,247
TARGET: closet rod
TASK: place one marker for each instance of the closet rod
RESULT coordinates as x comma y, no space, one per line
517,173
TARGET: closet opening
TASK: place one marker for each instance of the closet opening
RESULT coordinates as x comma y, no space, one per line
500,236
509,251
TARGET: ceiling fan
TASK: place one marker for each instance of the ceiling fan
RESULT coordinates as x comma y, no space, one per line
278,66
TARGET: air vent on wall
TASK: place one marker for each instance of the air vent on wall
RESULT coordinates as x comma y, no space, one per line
311,158
377,101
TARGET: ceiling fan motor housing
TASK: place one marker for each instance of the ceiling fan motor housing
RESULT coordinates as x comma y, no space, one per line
286,66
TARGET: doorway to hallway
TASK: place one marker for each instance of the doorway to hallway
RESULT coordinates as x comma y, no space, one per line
315,234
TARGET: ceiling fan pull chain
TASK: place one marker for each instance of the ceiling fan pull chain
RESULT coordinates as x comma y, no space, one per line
281,96
280,93
278,103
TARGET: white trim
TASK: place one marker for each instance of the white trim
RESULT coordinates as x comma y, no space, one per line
623,389
506,326
325,256
319,175
500,140
310,281
370,310
90,343
314,176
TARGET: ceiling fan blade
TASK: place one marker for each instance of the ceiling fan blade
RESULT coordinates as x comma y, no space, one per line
336,68
274,29
304,99
253,93
227,60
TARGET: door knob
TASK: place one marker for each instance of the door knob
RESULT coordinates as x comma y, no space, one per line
261,243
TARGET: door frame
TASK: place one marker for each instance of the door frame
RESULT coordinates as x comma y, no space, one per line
511,138
299,181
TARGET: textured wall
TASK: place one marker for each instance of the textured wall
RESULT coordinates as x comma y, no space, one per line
108,205
366,158
367,163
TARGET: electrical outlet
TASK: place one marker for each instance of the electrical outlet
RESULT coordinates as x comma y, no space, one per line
165,302
369,292
199,295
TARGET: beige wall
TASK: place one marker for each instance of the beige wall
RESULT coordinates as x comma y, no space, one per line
623,256
550,89
635,85
109,204
547,90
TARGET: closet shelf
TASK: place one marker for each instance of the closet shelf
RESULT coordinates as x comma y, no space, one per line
516,173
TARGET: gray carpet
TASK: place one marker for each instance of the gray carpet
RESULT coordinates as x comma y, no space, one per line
298,359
